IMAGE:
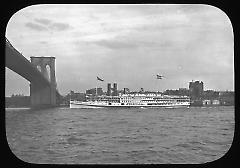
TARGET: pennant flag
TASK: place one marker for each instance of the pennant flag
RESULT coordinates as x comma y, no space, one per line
159,76
99,79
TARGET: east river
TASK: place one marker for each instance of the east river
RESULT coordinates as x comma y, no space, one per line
120,135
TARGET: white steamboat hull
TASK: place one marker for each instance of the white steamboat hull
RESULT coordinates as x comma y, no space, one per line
77,104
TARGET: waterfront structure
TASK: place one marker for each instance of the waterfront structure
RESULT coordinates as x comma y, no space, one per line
17,101
215,102
180,92
196,90
199,97
183,91
94,91
206,102
227,98
77,96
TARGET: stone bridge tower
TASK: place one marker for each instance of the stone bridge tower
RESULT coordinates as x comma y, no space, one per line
44,96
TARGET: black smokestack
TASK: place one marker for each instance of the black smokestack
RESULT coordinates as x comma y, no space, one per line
115,89
109,89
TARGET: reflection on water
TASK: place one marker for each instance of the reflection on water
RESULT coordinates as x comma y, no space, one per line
115,135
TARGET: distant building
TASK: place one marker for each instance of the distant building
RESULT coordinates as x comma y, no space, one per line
75,96
196,90
210,94
183,92
227,98
17,101
94,92
180,92
206,102
215,102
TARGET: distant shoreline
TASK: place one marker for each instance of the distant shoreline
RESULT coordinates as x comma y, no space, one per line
17,108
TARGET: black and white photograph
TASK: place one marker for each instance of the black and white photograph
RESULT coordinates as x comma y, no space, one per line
119,84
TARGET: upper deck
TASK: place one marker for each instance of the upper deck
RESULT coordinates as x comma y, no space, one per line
147,98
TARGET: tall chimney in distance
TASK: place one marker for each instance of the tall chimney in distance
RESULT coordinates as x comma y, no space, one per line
115,89
109,89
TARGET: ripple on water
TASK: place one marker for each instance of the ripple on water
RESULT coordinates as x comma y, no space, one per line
78,141
140,142
120,135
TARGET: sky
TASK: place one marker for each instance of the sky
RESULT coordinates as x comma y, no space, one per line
126,44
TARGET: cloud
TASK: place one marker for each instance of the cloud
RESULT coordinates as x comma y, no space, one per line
129,44
41,24
43,21
34,26
114,44
59,26
43,42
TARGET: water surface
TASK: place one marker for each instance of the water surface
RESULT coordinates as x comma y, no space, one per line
120,135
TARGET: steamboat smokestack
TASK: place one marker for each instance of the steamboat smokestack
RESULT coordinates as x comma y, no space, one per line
109,89
115,89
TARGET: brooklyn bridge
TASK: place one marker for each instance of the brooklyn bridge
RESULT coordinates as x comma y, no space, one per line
40,72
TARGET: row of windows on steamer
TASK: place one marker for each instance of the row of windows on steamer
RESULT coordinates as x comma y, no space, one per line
147,101
119,99
142,99
160,99
154,97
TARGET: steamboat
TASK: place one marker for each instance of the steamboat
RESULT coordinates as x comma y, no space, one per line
132,100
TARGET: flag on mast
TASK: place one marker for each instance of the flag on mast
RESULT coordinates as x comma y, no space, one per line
99,79
159,76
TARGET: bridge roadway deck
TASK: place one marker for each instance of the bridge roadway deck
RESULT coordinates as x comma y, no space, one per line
19,64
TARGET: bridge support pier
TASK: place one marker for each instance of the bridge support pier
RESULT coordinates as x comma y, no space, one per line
44,96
